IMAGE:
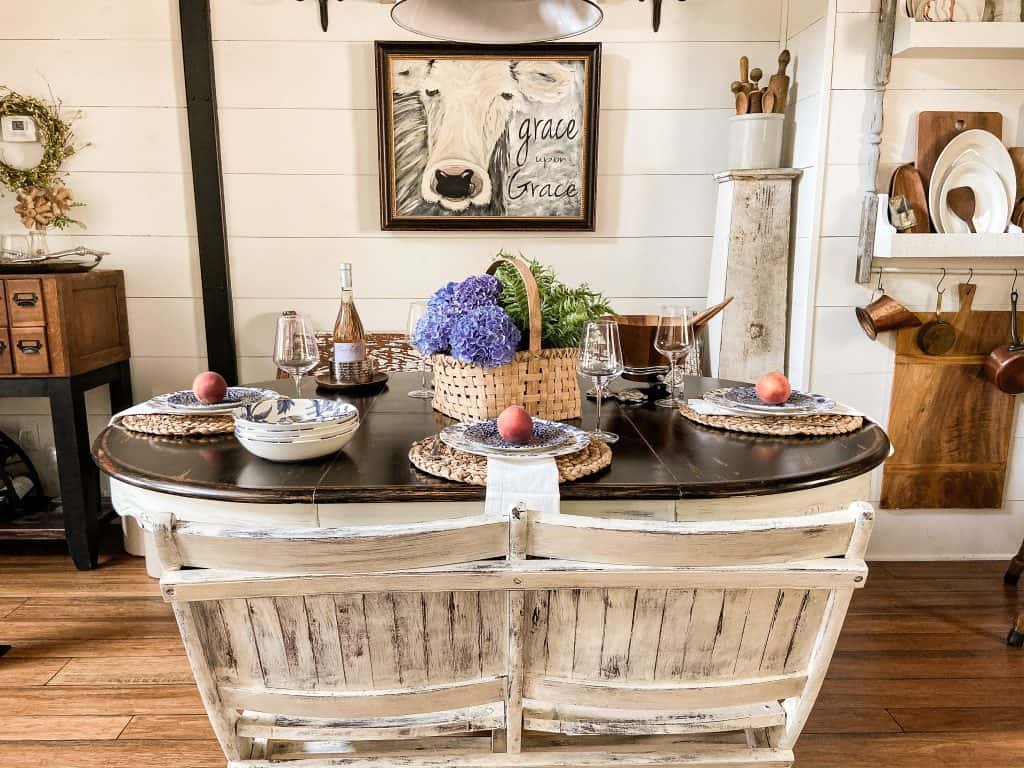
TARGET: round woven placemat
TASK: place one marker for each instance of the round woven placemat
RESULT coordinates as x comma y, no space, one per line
781,426
173,425
471,469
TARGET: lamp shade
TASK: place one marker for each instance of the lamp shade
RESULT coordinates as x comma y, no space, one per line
497,21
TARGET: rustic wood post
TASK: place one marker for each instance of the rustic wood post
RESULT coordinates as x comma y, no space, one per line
750,261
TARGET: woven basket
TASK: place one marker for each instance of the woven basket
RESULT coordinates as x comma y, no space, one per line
543,381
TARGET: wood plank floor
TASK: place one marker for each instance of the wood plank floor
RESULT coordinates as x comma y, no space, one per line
97,678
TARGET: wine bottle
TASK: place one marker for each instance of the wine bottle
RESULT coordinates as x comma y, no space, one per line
349,337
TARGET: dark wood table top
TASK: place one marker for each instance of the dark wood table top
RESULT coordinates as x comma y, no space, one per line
660,455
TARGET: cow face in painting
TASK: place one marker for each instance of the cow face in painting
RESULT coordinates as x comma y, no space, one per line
466,108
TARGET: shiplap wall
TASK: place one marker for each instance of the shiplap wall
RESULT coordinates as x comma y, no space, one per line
844,363
298,139
298,132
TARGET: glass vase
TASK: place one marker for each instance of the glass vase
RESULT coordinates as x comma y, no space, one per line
37,245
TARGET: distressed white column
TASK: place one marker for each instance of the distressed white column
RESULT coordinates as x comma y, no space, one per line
750,261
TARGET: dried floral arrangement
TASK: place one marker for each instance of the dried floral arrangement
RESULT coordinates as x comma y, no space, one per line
43,198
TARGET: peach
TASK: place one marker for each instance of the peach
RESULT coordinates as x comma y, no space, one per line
209,388
773,388
515,425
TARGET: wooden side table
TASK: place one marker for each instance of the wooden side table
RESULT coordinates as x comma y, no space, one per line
61,335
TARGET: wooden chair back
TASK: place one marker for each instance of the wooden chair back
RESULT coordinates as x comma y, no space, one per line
560,626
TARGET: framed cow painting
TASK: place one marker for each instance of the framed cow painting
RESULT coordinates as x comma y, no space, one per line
478,137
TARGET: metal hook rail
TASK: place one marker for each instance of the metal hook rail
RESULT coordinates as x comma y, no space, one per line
969,272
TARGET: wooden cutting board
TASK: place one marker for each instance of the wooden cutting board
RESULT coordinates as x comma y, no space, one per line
950,428
936,129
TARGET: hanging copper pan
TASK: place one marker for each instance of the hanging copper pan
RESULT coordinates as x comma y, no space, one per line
1005,365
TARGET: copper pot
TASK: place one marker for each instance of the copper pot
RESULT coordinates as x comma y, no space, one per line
885,314
1005,365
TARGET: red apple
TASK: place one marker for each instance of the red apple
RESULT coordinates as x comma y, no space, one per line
515,425
209,388
773,388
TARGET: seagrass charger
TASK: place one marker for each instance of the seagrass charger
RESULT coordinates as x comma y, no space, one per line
543,381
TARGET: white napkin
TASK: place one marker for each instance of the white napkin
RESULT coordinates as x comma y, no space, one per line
705,408
147,407
533,482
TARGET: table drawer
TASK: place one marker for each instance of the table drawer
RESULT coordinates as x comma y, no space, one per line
3,307
25,302
6,359
30,352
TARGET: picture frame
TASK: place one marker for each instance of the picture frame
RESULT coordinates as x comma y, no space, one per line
488,137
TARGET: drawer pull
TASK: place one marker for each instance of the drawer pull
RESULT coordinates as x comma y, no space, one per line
30,347
25,299
3,347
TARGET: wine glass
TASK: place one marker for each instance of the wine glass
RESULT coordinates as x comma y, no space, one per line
416,312
295,349
601,360
674,339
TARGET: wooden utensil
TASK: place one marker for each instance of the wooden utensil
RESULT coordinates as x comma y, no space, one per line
952,429
754,100
755,77
768,102
744,69
705,317
906,181
1005,365
936,129
742,103
1017,156
962,202
1018,214
779,83
936,337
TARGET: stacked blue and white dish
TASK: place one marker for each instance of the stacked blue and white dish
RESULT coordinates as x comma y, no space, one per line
286,429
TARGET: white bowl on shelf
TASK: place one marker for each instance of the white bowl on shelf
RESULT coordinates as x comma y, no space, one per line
295,450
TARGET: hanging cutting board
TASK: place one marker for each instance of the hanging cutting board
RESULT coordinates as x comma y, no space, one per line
936,129
950,428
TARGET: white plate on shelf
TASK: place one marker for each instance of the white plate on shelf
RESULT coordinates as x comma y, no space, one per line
972,145
991,213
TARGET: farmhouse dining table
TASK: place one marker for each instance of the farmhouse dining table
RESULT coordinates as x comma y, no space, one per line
663,468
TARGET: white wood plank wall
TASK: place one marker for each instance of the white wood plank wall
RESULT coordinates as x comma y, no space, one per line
299,148
843,362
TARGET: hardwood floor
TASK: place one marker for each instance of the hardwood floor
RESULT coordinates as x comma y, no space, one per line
97,678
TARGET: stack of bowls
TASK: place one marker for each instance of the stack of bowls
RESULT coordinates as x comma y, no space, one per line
284,429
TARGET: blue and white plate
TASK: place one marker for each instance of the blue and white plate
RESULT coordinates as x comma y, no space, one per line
289,414
746,399
185,401
550,439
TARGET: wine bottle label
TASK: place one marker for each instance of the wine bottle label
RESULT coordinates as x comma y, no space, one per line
349,352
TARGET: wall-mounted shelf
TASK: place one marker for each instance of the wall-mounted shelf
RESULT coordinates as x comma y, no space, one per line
890,244
957,40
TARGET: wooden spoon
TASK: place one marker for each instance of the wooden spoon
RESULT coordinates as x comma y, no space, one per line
755,77
768,102
742,103
962,202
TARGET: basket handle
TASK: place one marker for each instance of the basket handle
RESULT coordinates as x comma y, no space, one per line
532,296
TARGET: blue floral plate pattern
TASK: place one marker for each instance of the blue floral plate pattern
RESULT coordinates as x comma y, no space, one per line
550,439
746,399
186,401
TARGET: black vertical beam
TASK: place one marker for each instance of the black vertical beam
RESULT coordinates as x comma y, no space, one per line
207,183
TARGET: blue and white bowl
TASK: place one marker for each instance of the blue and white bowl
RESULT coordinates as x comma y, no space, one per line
294,415
257,432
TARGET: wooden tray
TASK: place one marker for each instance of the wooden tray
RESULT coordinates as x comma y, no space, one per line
950,427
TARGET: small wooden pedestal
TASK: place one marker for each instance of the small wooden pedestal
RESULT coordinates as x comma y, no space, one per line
750,260
61,335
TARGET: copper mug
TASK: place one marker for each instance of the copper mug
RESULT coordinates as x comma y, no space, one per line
885,314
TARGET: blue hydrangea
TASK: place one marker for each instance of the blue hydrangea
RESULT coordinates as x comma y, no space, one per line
475,292
442,298
485,336
433,331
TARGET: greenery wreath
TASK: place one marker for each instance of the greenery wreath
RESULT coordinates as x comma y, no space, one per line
55,134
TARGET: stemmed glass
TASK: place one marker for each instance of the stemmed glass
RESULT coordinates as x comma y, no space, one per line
674,339
295,350
601,360
416,312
